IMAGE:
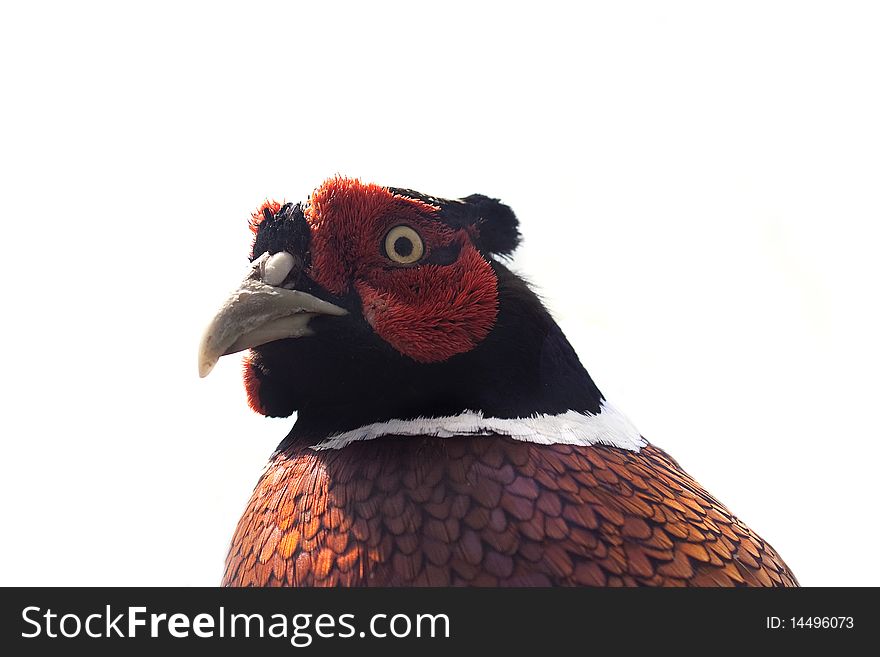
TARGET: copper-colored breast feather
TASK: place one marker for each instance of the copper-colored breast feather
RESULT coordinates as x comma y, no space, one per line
490,511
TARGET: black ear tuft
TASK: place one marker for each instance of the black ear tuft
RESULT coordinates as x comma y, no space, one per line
496,223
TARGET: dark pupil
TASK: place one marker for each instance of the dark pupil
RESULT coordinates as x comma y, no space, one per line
403,246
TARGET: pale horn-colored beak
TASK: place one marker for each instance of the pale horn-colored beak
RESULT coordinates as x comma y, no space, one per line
261,311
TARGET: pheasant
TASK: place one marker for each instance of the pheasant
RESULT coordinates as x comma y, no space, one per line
446,432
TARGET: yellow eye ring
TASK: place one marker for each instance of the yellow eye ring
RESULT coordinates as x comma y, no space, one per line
403,245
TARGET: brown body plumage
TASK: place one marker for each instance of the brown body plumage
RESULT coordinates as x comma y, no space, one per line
486,512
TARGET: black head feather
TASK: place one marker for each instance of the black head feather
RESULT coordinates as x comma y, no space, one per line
496,224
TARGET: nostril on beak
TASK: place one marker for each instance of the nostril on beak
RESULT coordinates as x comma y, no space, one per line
278,267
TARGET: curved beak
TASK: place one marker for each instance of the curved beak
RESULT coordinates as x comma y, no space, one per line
261,311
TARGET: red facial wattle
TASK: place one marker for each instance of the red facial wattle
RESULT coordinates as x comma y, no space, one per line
252,385
428,311
431,313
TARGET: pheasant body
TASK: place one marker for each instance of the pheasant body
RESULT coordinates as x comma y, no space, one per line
489,512
447,433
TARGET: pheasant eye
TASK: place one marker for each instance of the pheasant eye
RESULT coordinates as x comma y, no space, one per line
403,245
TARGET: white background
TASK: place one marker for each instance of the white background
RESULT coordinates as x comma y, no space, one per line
697,184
